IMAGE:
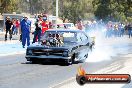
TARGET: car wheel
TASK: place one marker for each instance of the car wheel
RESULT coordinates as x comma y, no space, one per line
69,62
73,59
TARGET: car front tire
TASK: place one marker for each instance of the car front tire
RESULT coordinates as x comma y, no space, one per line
69,62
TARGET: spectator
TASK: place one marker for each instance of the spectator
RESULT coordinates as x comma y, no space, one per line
121,29
116,30
50,25
37,32
8,27
20,31
79,25
26,27
17,23
14,30
44,26
129,30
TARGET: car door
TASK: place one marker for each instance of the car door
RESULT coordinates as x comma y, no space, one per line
80,47
85,45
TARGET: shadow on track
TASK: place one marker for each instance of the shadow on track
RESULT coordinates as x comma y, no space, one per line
46,63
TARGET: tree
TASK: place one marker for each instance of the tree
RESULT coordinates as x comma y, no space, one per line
41,6
74,10
115,10
8,6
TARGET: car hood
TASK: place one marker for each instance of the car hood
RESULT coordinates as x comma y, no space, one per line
63,47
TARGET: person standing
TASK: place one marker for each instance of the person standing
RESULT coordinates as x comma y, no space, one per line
79,25
129,30
122,29
20,30
17,23
44,26
37,32
25,29
14,31
116,30
50,25
8,27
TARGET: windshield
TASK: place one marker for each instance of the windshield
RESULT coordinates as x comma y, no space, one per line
63,37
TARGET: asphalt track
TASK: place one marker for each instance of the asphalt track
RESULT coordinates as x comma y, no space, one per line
16,72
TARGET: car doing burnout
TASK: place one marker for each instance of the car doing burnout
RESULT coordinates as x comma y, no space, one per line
60,45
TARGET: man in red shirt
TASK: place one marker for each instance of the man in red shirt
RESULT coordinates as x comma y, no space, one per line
44,26
17,25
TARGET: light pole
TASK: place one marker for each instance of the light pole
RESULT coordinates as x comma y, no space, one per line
56,12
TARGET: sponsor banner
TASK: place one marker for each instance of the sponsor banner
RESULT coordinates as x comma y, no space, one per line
83,78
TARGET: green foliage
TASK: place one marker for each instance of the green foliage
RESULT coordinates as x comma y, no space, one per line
115,10
8,6
73,10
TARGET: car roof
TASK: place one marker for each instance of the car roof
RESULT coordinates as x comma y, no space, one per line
64,30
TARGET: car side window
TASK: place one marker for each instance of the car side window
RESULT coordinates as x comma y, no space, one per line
84,37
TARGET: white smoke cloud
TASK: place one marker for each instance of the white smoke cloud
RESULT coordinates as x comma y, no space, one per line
102,50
